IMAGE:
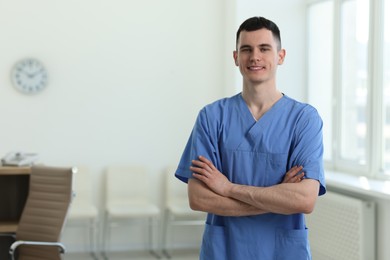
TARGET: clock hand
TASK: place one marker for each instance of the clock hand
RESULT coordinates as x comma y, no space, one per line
40,72
30,75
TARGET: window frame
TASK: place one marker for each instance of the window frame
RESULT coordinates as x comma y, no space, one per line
375,107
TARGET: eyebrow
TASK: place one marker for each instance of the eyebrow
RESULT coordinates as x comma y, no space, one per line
260,45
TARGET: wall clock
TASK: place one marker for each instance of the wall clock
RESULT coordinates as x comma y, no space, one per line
29,76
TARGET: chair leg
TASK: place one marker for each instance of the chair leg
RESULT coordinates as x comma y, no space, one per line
105,236
165,235
12,256
93,234
152,248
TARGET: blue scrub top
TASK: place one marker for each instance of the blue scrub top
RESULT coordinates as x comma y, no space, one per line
256,153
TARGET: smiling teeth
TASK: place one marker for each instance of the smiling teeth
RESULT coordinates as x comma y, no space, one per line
256,68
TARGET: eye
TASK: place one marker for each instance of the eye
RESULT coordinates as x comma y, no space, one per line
246,50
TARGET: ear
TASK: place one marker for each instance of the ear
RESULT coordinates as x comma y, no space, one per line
282,55
235,56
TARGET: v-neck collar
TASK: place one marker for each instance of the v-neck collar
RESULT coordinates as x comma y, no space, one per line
248,115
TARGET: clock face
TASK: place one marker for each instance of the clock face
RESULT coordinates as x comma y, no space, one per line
29,76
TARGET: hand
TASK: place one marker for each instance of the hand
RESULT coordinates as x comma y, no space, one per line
294,175
205,171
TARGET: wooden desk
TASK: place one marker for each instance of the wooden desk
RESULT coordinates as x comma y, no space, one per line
14,183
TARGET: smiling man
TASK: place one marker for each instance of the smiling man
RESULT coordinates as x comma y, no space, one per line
254,161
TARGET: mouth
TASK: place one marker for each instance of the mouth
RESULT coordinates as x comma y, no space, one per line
256,68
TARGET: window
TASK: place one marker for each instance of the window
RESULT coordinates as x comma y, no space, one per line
386,88
354,79
320,72
344,86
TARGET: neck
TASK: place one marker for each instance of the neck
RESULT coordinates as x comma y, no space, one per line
260,99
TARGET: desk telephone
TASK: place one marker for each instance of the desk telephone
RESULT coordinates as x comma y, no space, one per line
19,159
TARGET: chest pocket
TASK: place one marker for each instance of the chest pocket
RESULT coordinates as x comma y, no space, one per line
256,168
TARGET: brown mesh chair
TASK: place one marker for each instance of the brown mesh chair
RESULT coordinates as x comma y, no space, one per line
44,214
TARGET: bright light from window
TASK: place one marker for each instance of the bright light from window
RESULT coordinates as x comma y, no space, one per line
362,21
386,89
354,75
320,81
387,21
345,74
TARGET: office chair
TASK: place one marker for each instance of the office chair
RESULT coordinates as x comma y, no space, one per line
44,214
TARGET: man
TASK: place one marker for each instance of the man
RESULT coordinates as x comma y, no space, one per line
254,161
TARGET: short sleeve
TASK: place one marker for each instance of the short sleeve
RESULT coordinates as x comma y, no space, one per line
308,146
201,142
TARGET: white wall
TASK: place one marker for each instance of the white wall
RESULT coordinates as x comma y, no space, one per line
126,79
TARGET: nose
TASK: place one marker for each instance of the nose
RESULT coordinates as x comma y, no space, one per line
255,55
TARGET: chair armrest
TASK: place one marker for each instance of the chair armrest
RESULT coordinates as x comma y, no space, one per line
8,235
18,243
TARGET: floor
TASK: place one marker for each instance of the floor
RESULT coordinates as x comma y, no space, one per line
137,255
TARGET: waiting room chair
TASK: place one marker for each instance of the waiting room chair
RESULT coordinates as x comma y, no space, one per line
177,209
83,209
128,197
44,214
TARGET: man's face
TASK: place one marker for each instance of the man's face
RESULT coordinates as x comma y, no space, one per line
257,56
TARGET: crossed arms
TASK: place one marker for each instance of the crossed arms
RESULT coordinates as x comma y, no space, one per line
210,191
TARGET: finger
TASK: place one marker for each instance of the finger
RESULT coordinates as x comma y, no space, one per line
202,165
206,161
198,170
300,176
197,163
294,175
295,171
291,173
297,178
199,177
201,168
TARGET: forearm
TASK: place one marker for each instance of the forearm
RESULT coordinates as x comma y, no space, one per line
203,199
294,195
284,198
